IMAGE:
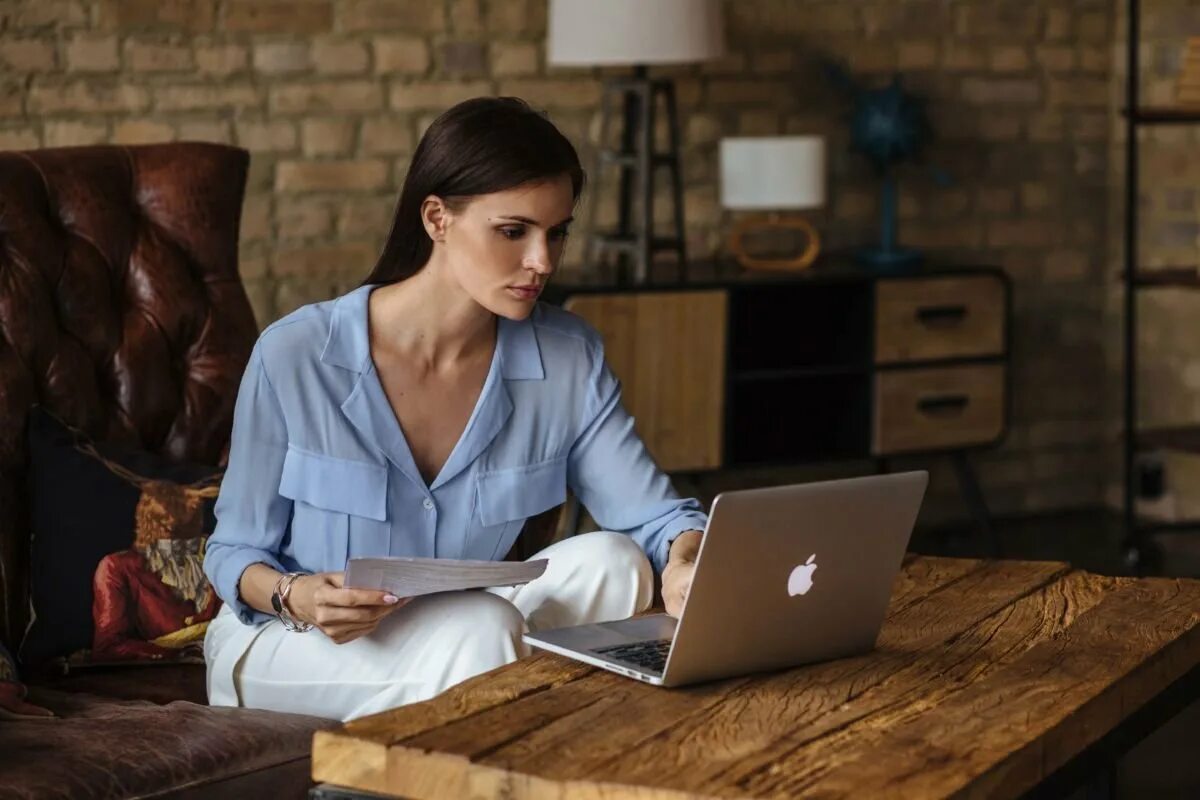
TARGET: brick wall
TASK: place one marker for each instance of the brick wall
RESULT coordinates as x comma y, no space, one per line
331,95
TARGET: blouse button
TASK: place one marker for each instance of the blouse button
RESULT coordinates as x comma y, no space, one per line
427,503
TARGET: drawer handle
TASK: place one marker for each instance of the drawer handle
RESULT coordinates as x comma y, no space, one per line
943,405
942,315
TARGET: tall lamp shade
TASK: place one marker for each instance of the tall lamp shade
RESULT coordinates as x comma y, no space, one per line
772,174
637,34
633,32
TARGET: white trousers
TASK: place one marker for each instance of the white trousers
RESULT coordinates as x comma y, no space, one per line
428,645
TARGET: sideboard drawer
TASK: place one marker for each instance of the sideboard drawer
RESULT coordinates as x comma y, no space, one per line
932,318
939,407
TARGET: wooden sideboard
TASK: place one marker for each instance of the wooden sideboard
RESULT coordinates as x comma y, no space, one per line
837,362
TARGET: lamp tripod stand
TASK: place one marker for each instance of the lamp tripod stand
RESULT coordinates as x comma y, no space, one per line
634,243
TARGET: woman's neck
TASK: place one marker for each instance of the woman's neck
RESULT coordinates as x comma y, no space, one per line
430,321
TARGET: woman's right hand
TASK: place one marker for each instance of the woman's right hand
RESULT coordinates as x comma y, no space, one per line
341,614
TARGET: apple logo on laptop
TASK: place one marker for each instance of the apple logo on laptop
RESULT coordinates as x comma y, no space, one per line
800,581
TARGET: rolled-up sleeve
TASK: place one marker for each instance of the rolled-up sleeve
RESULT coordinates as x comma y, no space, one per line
614,476
252,516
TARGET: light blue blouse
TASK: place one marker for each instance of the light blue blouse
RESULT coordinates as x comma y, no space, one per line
319,470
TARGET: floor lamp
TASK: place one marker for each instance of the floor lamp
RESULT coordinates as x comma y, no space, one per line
637,34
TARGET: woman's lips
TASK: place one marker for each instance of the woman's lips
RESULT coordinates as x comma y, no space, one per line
525,293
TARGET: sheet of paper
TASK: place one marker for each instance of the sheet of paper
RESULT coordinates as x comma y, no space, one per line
409,577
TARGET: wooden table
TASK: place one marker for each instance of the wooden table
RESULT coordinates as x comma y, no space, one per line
990,678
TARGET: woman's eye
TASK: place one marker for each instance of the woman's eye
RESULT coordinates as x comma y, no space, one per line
512,233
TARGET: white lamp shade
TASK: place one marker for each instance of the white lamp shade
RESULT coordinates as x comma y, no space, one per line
633,32
772,172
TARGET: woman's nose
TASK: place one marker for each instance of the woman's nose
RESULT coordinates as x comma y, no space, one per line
537,258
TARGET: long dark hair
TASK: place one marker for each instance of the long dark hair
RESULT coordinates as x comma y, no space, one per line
482,145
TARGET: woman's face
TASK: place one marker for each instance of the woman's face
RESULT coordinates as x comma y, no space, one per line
503,247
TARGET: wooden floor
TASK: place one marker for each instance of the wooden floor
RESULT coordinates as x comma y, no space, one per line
1165,764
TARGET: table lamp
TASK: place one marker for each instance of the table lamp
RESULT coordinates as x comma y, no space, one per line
773,174
637,34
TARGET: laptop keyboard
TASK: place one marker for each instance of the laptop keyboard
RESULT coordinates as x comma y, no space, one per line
650,655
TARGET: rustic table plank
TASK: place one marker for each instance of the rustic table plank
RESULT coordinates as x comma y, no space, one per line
573,731
1005,732
844,736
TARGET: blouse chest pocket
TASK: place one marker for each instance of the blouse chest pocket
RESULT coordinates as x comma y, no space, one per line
339,504
508,497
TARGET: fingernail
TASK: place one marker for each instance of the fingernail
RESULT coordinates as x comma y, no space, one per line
390,599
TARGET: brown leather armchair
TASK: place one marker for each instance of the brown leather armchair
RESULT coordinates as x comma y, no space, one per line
122,311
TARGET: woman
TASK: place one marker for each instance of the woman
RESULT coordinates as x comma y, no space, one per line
430,412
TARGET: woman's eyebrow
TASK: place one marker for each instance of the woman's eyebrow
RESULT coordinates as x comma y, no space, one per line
529,221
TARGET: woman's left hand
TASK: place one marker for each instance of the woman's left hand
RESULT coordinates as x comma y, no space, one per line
676,581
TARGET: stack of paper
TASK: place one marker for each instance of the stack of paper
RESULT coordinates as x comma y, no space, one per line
409,577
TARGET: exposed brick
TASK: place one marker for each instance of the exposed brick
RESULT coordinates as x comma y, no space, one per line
337,57
87,53
732,63
194,16
278,16
71,133
1036,196
1055,58
1058,24
414,16
145,56
1032,232
323,137
206,130
961,57
463,58
996,201
1001,91
355,257
142,131
28,55
331,176
999,127
19,140
1079,93
1093,27
281,58
266,135
917,55
48,14
1008,58
514,58
366,216
1002,21
87,96
466,17
221,59
701,129
304,218
190,98
386,135
407,55
756,123
12,99
323,96
552,93
509,18
1094,58
435,95
256,218
774,62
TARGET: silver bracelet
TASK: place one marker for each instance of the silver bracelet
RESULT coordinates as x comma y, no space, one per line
279,596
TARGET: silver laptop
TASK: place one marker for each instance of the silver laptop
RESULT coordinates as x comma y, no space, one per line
785,576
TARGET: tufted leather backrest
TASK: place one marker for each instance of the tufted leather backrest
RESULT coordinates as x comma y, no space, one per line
121,310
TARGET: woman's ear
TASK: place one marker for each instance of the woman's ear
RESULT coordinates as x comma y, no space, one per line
435,216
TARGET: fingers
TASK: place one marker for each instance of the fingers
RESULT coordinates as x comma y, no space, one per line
336,596
332,615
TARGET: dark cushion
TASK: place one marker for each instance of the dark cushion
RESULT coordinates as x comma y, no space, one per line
103,591
102,748
160,683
